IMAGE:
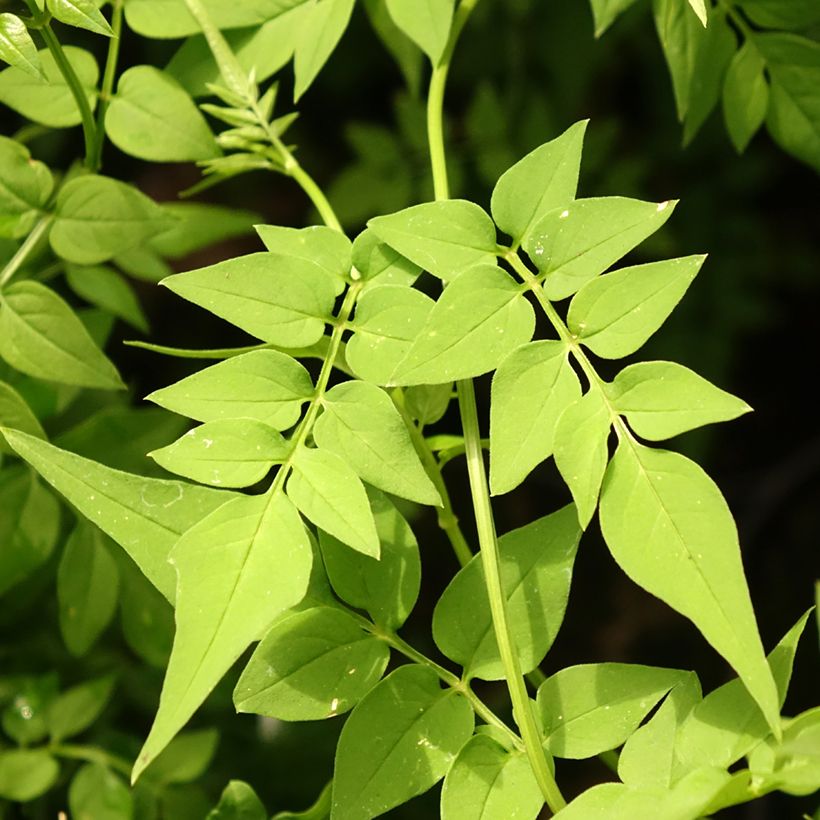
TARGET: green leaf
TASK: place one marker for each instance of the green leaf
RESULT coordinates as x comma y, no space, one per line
15,413
145,516
427,403
426,23
238,569
279,299
81,14
98,217
443,238
745,96
238,802
152,117
321,29
670,530
407,55
329,249
605,12
40,335
545,179
386,588
312,665
108,290
699,7
87,588
388,320
77,708
489,782
25,187
96,793
589,709
530,390
664,399
479,319
186,757
49,101
361,424
224,453
17,48
143,263
398,742
536,571
796,14
29,526
793,117
615,314
24,718
581,452
328,493
25,774
374,258
265,385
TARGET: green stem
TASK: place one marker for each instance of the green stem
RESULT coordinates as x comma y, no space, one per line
27,249
108,82
91,754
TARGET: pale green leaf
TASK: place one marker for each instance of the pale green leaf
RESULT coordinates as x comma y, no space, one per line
615,314
16,414
40,335
87,588
238,569
398,742
374,258
320,30
664,399
74,710
386,587
605,12
265,385
545,179
443,238
185,758
331,495
25,774
145,516
426,22
329,249
670,530
313,665
98,217
225,453
25,187
238,802
536,571
581,452
16,46
279,299
97,793
361,424
81,14
106,289
589,709
49,101
745,96
479,319
152,117
530,390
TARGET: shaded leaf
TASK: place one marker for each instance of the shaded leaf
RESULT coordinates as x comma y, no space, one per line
96,793
25,186
77,708
745,96
108,290
25,774
426,23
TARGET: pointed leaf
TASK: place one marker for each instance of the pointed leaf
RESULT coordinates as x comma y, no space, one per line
323,246
321,29
108,290
238,802
77,708
81,14
745,96
197,225
16,46
670,530
374,258
605,12
426,23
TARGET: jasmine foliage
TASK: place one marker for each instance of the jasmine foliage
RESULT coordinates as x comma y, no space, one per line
315,561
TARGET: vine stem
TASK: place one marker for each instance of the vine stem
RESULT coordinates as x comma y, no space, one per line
25,250
488,541
108,82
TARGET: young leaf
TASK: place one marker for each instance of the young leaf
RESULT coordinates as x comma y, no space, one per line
312,665
108,290
198,225
330,494
615,314
224,453
41,335
374,258
581,453
77,708
152,117
605,12
545,179
95,791
530,390
98,217
427,23
589,709
186,757
479,319
669,528
745,96
572,245
25,187
398,742
360,424
279,299
25,774
323,246
427,403
48,100
489,782
443,238
388,320
145,516
17,48
536,571
238,569
664,399
238,802
81,14
16,414
322,27
87,588
386,588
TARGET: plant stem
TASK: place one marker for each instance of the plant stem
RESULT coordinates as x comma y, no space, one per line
91,754
108,82
25,250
